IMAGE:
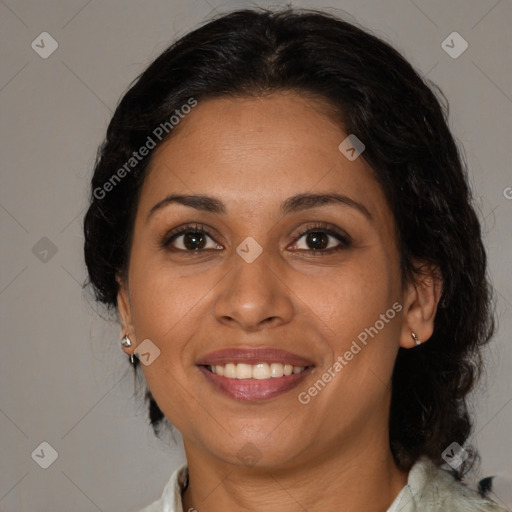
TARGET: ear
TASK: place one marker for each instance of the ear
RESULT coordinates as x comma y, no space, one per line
421,299
125,312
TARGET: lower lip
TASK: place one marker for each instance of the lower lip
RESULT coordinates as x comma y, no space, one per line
255,389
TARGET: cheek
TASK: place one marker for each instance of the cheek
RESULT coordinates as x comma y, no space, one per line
165,309
350,298
358,309
162,299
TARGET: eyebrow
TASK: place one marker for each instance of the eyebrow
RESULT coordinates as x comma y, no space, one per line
293,204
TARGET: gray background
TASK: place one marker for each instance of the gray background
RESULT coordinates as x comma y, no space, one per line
63,377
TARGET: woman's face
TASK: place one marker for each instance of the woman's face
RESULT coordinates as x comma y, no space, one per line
256,280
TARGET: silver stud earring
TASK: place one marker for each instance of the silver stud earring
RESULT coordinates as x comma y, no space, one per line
127,342
415,338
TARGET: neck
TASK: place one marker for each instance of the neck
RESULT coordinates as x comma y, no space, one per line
361,478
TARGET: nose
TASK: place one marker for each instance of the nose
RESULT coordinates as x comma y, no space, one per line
253,296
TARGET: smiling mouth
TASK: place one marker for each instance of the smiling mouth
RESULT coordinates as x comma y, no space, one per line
256,382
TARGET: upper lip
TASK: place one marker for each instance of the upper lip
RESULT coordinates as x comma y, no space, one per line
252,356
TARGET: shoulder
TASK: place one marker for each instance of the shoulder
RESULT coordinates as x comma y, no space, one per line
433,489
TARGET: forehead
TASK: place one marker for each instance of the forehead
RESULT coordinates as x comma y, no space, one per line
254,152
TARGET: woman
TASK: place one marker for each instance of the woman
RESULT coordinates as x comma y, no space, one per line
281,218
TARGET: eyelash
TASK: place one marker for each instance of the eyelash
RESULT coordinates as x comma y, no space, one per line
343,238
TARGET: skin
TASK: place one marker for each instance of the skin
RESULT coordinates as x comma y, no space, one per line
252,154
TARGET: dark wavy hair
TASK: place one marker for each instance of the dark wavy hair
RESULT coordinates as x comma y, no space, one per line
402,119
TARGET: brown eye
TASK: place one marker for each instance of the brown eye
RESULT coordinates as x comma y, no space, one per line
194,241
321,240
317,240
190,239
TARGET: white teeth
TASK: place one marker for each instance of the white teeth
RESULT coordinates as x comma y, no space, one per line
276,370
243,371
257,371
261,371
230,371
